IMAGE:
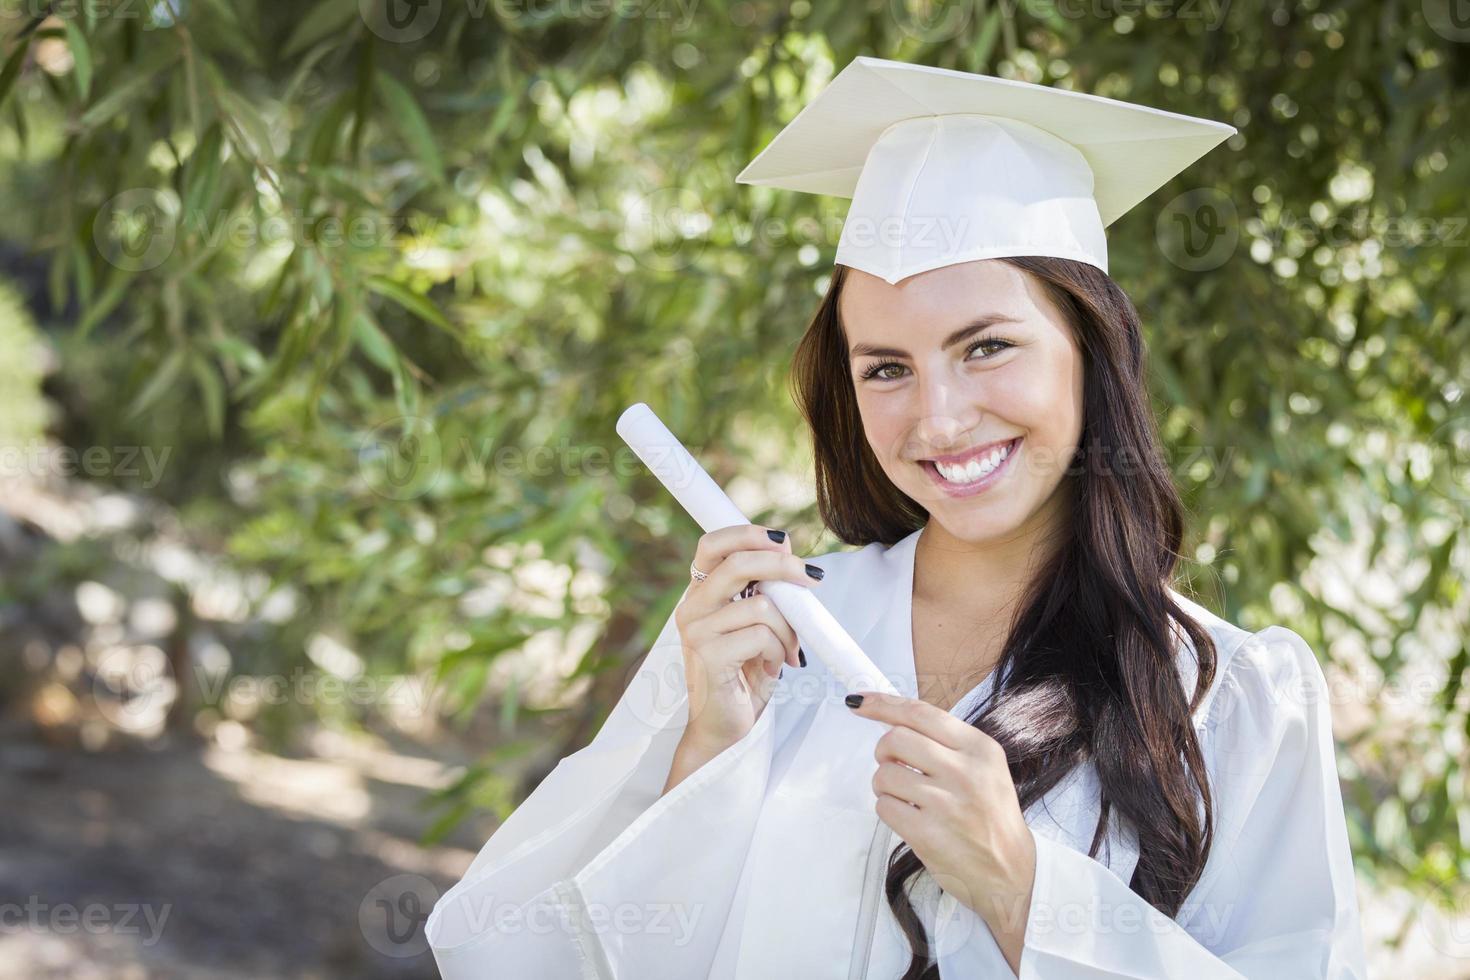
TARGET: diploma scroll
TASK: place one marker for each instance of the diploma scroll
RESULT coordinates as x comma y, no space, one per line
712,509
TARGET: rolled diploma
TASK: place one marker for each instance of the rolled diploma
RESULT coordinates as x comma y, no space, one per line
712,509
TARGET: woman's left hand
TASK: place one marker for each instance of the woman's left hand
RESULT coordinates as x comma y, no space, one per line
959,811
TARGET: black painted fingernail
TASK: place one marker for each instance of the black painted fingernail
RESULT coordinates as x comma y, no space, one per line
776,536
780,673
853,700
801,656
815,572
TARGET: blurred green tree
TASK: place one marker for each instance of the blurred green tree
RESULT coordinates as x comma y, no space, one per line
22,409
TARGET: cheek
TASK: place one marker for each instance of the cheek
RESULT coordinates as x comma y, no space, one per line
883,424
1057,387
1034,400
1047,404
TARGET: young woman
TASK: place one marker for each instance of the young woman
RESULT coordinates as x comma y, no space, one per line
1086,774
1150,792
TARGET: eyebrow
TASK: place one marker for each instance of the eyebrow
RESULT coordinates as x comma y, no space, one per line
958,336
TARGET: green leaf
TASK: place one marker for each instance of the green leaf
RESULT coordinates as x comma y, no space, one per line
240,353
229,17
203,177
81,55
164,377
82,261
375,344
468,685
22,129
405,392
411,123
251,127
11,71
112,295
446,822
420,306
324,140
984,44
326,18
362,101
56,278
211,388
121,97
510,702
303,69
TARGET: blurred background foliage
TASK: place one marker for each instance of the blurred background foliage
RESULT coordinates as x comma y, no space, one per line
374,281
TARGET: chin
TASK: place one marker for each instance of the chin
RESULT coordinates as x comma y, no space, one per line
975,519
971,528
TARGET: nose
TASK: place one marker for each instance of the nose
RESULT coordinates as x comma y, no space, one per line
944,414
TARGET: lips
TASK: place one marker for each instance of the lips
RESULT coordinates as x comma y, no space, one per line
955,459
981,484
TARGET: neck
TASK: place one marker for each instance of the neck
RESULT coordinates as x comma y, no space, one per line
986,579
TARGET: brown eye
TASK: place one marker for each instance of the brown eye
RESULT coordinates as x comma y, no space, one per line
873,371
988,341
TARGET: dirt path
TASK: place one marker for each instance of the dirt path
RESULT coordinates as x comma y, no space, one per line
189,861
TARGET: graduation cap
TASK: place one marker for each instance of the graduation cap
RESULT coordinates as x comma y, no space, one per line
948,166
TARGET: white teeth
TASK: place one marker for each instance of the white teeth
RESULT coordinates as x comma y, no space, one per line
975,469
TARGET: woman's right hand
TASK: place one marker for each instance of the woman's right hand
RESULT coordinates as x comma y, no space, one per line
734,650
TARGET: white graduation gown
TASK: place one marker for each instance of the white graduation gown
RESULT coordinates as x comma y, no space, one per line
769,860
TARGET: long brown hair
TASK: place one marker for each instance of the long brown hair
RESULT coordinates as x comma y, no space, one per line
1089,670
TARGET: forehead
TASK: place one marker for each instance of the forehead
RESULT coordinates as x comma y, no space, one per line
936,301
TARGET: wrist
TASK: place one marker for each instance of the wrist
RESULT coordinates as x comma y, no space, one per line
692,753
699,744
1000,893
1005,902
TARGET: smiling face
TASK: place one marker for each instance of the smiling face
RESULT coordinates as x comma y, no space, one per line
969,383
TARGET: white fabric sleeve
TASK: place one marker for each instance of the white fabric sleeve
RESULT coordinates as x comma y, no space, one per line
1277,896
595,874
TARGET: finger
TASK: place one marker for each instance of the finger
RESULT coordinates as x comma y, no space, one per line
715,546
914,713
759,678
730,575
905,784
729,651
748,612
900,815
742,567
904,745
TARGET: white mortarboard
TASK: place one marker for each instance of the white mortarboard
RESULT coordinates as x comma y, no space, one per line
948,166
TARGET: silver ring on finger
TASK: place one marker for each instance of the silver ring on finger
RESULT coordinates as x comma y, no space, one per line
696,574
